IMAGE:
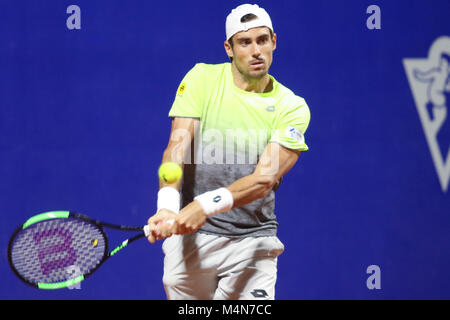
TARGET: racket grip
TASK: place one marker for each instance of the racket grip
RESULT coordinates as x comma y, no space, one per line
147,230
147,227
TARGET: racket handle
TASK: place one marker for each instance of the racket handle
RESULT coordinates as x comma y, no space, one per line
147,227
147,230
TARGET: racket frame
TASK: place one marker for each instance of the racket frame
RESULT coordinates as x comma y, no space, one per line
66,215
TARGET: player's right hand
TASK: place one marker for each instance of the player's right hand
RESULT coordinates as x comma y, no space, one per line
160,224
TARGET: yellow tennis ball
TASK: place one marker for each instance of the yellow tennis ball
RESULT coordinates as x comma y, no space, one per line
170,172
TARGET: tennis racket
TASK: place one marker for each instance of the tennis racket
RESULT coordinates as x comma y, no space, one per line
59,249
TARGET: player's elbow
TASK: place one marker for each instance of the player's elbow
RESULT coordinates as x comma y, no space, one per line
174,153
266,183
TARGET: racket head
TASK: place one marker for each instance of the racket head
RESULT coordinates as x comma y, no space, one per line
57,249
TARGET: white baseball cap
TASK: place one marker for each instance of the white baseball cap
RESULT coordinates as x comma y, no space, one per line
234,25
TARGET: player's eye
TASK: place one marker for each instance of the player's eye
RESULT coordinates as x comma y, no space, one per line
263,40
245,43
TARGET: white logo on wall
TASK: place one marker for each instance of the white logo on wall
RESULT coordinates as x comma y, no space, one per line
429,79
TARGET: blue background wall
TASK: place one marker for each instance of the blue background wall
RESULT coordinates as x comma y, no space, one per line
83,123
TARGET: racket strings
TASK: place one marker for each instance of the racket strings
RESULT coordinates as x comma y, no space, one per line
57,250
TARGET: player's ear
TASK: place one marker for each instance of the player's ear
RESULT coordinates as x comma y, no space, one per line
274,41
228,49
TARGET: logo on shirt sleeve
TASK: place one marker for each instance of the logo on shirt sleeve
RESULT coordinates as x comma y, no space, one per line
295,134
181,88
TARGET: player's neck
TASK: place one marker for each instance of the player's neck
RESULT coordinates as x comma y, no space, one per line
257,85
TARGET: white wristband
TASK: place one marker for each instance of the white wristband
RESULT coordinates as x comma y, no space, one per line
168,198
213,202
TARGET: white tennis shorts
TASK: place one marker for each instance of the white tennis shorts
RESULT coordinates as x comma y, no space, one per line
204,267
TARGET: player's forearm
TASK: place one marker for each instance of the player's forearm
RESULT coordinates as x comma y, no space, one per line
243,191
169,193
172,154
250,188
273,164
181,135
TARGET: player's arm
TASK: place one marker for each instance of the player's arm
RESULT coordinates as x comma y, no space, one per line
181,135
274,162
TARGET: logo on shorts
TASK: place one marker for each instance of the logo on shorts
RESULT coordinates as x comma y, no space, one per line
429,79
259,293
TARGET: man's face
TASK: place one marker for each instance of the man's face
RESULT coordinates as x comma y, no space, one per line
252,51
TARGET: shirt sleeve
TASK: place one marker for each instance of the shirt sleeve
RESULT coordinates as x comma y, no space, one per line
188,100
291,126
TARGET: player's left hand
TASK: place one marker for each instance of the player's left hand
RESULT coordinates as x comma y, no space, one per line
189,220
159,225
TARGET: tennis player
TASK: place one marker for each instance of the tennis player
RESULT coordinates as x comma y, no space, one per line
236,131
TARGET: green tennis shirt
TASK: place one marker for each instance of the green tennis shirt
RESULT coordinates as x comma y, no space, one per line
235,127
